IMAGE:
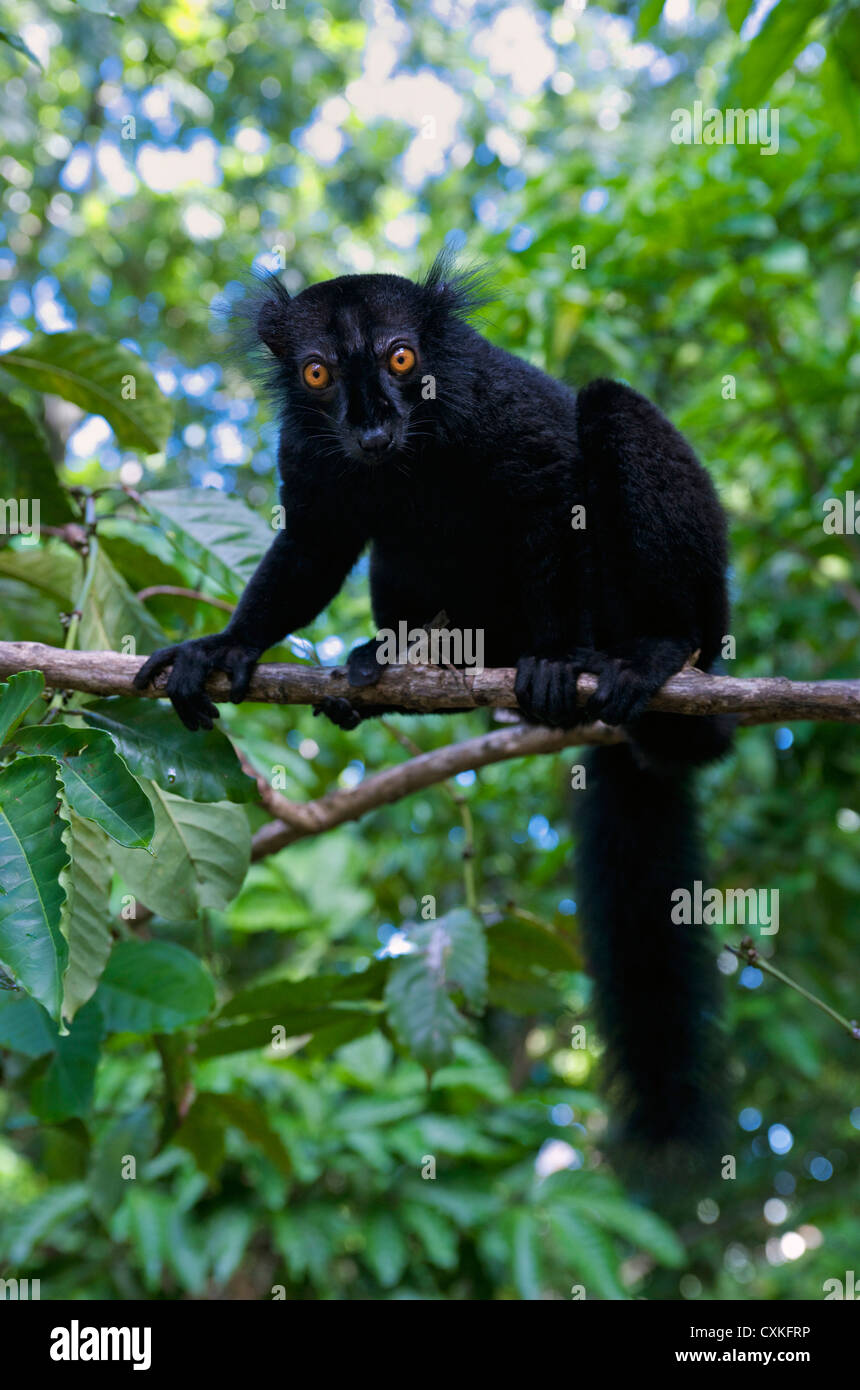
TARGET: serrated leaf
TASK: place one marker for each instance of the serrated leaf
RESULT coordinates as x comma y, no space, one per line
26,467
97,783
200,766
113,619
96,373
153,987
198,857
16,696
220,535
32,853
86,919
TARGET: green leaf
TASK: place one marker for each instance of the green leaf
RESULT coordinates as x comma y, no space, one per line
201,767
85,920
638,1225
649,16
113,619
227,1237
199,856
589,1254
24,1229
319,991
24,1025
220,535
737,11
32,853
153,987
330,1028
65,1088
525,1241
203,1131
26,467
16,696
517,946
97,374
97,782
15,41
766,57
133,1135
143,1219
434,1231
450,953
385,1248
52,568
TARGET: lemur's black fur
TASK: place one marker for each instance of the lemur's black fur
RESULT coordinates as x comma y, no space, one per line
462,473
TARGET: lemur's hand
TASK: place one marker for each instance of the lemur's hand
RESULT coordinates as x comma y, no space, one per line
546,687
193,662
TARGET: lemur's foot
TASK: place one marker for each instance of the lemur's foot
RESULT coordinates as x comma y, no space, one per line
339,711
362,665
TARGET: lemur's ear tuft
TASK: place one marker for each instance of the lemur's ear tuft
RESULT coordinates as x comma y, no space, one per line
269,311
457,290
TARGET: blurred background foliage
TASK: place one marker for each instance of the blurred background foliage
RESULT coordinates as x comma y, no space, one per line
149,160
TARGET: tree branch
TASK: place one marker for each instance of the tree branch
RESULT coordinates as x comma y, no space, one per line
420,689
295,819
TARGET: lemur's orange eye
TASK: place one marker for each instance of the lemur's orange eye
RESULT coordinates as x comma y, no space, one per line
402,360
316,375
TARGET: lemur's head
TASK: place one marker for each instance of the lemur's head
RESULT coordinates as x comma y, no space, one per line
363,359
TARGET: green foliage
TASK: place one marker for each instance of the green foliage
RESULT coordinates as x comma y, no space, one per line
153,987
97,783
155,745
101,377
218,535
446,954
32,854
16,696
26,467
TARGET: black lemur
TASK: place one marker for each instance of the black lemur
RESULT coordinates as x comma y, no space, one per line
462,465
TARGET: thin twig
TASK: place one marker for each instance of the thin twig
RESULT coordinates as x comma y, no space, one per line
177,591
747,952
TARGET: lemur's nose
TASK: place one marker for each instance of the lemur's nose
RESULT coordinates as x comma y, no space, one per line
375,441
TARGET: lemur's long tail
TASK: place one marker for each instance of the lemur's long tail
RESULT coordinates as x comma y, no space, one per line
657,995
